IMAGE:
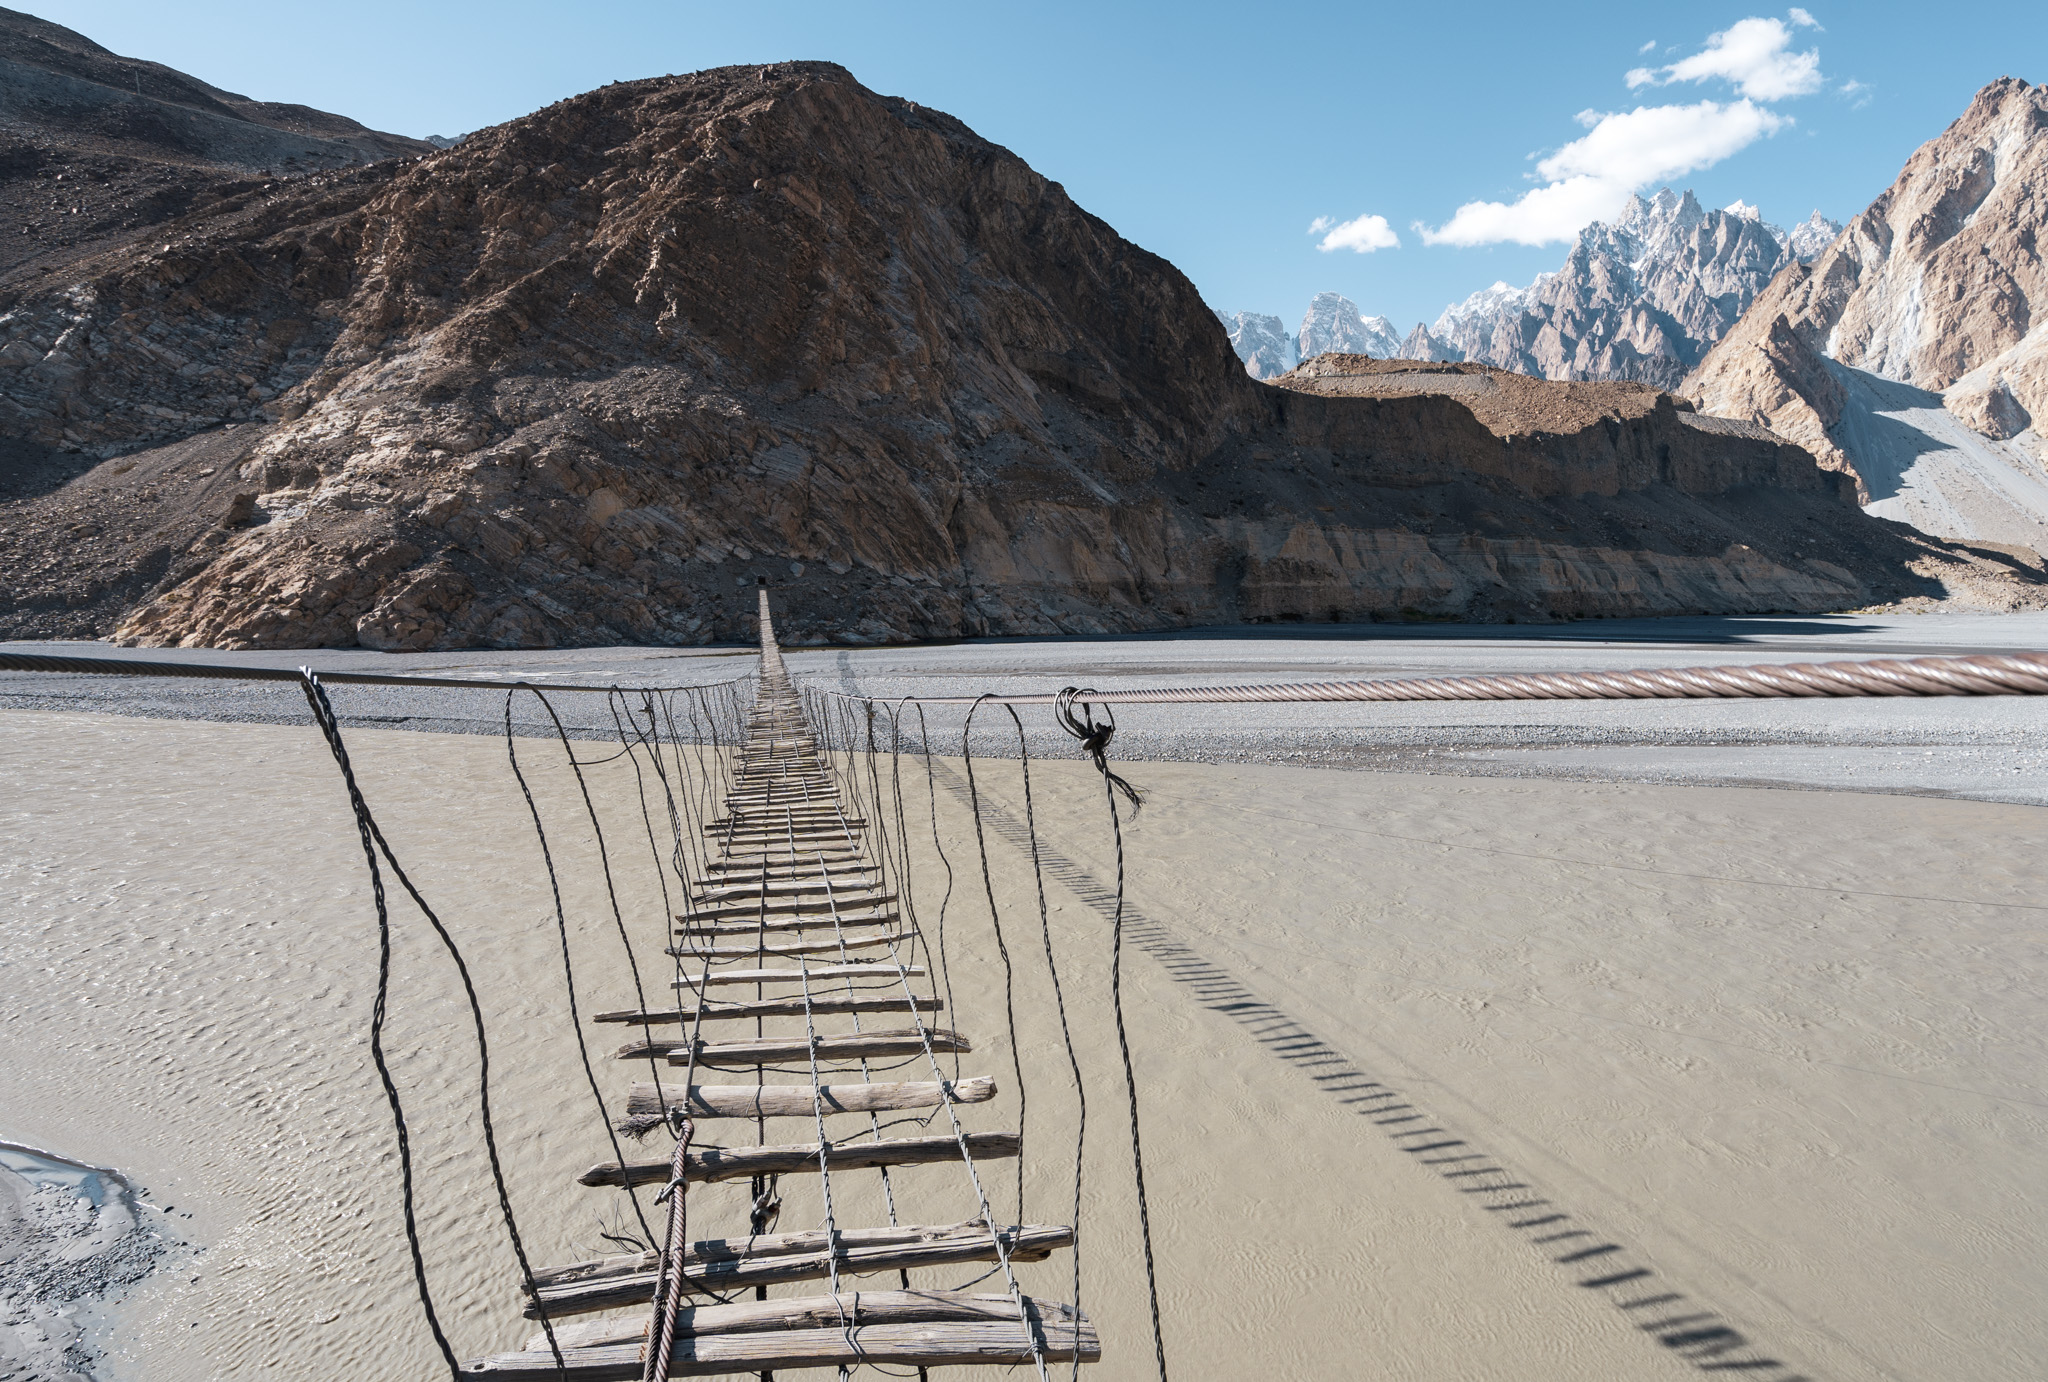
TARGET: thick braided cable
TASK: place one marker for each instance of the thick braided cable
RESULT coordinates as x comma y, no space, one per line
1990,674
1095,741
323,715
568,969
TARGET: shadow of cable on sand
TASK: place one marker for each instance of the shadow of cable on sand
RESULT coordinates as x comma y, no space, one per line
1701,1336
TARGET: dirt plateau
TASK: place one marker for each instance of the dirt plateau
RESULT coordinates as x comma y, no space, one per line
586,376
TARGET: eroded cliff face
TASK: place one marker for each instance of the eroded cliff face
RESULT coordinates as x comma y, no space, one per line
587,376
1939,286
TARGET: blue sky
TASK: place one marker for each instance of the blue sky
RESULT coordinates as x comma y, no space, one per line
1216,135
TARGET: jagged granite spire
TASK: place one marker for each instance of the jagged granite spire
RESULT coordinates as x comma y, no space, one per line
1643,296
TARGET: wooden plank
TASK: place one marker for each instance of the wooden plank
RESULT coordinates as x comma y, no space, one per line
879,969
862,1308
774,813
754,868
775,820
830,945
773,1007
796,921
850,899
646,1098
780,887
737,1163
790,797
736,1263
774,1050
745,852
951,1343
802,836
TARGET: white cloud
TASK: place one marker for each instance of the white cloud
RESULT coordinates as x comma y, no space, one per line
1859,93
1805,20
1651,143
1649,47
1365,234
1590,179
1753,54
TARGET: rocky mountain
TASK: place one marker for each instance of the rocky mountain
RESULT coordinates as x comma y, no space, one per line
1263,343
1420,344
1334,325
585,377
1641,298
96,147
1805,241
1913,353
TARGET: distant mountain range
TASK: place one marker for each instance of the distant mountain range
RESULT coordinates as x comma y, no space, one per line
1643,297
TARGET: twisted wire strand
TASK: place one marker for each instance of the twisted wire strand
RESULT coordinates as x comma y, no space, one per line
1987,674
995,918
568,969
1060,1006
1095,741
366,826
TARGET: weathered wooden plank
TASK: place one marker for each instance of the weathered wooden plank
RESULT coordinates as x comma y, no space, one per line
744,869
648,1099
800,1242
730,1163
876,969
802,837
828,945
949,1343
861,1308
796,921
611,1282
744,852
792,797
774,1050
804,783
842,901
782,887
773,812
773,1007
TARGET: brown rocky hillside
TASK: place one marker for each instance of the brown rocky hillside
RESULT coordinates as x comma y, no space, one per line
586,376
1913,353
96,148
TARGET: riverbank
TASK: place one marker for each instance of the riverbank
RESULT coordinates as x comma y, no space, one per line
1780,1051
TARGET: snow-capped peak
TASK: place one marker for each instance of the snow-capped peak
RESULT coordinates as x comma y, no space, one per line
1334,323
1261,341
1806,240
1501,297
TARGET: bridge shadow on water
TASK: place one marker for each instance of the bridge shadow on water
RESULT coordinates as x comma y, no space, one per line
1594,1261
